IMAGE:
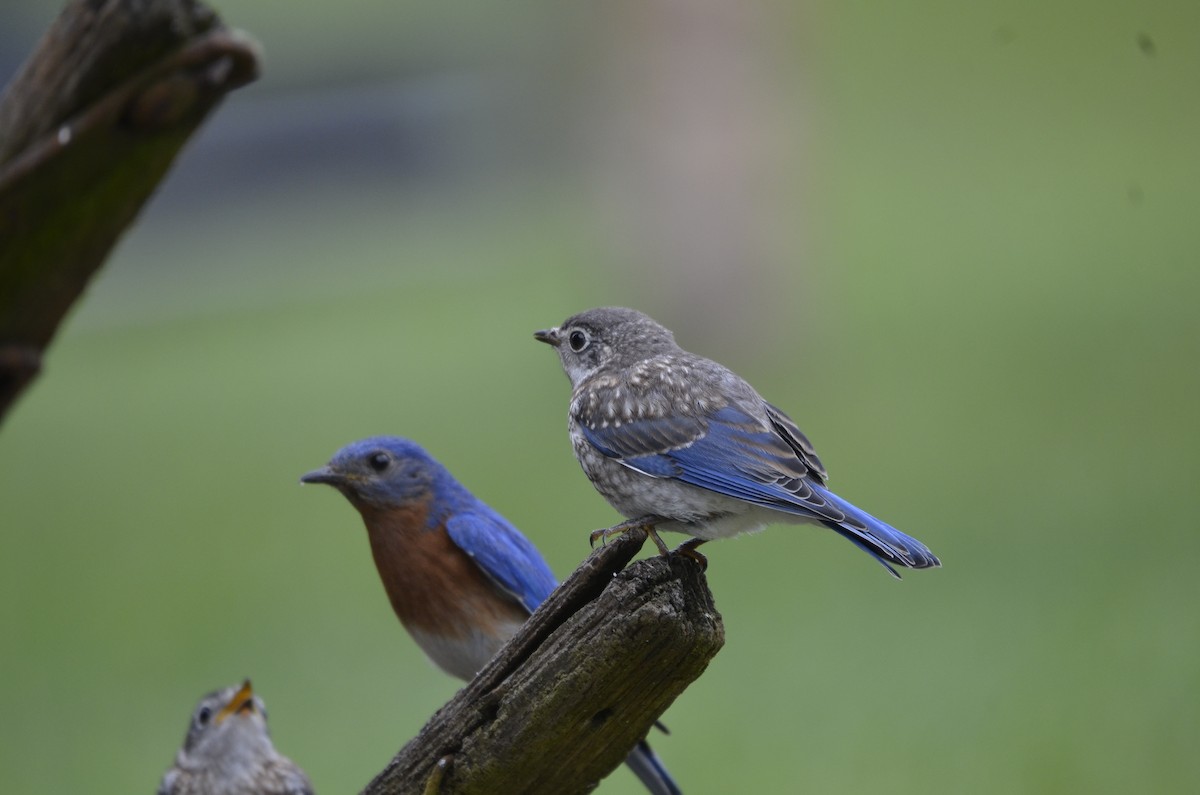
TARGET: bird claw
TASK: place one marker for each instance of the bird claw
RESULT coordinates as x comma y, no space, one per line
644,525
688,550
601,536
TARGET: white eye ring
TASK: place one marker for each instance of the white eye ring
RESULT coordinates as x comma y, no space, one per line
577,340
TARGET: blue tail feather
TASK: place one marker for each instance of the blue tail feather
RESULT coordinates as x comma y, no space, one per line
650,770
876,537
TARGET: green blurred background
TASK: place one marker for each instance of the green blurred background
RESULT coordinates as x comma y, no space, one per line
957,242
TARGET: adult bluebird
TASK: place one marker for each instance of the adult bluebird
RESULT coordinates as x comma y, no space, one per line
677,442
460,578
228,751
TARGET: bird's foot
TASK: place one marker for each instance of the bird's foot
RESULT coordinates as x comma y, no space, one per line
688,550
433,784
644,524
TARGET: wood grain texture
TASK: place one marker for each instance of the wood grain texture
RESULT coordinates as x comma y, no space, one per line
584,680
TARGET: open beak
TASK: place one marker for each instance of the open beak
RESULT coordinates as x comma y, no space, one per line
242,701
548,336
323,475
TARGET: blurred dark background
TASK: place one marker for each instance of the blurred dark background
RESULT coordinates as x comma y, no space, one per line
957,242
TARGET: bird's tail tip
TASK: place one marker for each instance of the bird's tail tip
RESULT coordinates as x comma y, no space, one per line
879,539
650,770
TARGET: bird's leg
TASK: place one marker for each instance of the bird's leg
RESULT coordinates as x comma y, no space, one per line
688,550
433,784
652,534
644,523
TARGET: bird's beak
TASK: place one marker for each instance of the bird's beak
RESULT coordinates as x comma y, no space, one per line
548,336
324,475
242,701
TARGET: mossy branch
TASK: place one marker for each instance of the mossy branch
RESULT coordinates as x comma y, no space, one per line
584,680
88,128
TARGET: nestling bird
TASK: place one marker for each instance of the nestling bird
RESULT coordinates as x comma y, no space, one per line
460,578
228,751
677,442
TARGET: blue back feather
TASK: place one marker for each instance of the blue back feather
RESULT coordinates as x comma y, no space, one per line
729,453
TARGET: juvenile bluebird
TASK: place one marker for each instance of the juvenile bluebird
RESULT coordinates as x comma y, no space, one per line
460,578
678,442
228,751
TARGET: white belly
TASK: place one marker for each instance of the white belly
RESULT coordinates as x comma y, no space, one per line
463,657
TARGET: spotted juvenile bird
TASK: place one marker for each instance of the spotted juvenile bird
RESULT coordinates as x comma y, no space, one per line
677,442
228,751
460,578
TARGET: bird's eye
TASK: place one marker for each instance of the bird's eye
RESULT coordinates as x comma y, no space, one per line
379,461
577,340
203,716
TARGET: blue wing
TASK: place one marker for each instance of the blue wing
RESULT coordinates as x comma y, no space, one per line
505,556
769,464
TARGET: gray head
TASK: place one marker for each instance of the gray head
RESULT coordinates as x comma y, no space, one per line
228,729
608,337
